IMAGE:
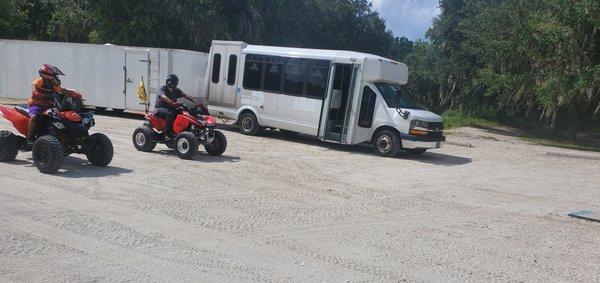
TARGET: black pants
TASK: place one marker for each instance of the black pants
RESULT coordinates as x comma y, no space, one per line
169,115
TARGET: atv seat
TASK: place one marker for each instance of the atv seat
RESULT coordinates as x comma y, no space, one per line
22,111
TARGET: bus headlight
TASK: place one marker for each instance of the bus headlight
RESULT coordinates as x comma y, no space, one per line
418,124
418,128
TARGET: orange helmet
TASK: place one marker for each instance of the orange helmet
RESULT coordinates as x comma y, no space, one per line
51,73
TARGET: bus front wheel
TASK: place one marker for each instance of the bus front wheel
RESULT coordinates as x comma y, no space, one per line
387,143
249,124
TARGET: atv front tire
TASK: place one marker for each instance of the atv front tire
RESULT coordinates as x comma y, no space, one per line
143,139
218,145
101,152
48,154
8,146
186,145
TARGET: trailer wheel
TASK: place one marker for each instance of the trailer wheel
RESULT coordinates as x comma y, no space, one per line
186,145
48,154
249,124
143,139
387,143
8,146
218,146
101,154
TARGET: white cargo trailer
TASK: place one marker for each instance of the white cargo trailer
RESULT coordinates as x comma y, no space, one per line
107,75
337,96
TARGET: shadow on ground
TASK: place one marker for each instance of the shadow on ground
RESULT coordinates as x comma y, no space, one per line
200,157
437,158
75,167
429,157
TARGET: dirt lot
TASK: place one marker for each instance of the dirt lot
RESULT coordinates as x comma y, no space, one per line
275,209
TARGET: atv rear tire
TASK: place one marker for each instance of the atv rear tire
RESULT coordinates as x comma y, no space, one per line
186,145
8,146
101,152
48,154
218,145
143,139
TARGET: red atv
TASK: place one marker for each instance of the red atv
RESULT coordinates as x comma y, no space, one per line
191,129
62,130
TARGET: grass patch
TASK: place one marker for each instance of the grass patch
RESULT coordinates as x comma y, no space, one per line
554,142
454,119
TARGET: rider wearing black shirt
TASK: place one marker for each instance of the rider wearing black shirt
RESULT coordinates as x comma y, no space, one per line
166,102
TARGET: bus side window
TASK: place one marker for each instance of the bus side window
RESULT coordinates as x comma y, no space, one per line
294,76
316,79
253,72
216,68
231,71
367,107
273,74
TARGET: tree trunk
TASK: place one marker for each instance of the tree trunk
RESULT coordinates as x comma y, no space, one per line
574,126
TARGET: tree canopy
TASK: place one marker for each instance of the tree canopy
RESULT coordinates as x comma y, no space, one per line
536,59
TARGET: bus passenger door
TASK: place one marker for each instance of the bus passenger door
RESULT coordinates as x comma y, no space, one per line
338,103
223,77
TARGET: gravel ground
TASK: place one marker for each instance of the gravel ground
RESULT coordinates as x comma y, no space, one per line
276,209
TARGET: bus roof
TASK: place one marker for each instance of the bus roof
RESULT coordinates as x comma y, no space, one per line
301,52
308,53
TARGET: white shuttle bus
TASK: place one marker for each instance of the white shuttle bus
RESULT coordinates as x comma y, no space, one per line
337,96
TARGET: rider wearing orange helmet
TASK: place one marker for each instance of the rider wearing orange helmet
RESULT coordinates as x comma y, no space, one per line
44,88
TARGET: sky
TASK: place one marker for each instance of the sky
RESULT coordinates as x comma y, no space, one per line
409,18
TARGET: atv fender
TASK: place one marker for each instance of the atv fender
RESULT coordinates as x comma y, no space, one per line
183,122
19,121
154,122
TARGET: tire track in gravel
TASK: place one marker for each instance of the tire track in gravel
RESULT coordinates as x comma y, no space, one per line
171,229
75,241
20,249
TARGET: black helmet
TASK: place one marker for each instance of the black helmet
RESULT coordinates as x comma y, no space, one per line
172,81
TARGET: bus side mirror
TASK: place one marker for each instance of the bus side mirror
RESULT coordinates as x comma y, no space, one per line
403,113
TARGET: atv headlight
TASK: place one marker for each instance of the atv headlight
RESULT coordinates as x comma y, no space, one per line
59,125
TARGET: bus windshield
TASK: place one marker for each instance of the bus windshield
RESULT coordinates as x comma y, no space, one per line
393,96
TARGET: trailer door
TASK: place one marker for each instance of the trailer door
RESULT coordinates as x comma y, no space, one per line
223,75
137,68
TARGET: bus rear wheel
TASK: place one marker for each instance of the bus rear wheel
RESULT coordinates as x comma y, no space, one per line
249,124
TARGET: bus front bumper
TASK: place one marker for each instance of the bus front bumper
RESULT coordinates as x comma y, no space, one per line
415,142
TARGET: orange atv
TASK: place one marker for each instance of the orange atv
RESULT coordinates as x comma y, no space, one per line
63,130
191,129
